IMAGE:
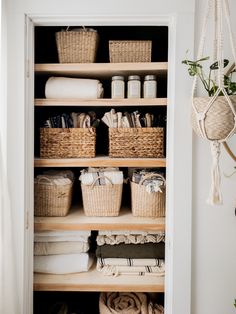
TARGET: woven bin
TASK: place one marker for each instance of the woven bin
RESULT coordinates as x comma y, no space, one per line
219,120
67,143
77,46
136,142
130,50
51,199
146,204
102,200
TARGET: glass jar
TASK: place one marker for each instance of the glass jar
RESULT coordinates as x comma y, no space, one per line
117,87
150,86
134,86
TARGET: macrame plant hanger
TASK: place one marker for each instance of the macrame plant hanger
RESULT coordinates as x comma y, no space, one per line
213,113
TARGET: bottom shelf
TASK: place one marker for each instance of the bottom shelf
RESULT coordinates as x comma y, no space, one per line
95,281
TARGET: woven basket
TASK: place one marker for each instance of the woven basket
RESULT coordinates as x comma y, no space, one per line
102,200
136,142
219,120
51,199
77,46
67,143
130,50
146,204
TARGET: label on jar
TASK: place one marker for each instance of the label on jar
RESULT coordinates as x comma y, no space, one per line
150,89
134,90
118,89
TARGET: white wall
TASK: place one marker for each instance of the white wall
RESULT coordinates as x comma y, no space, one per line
214,228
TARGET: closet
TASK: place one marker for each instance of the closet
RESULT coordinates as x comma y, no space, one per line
46,65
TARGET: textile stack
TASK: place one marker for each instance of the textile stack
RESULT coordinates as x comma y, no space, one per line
62,252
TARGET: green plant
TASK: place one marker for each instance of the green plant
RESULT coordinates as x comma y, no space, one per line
195,68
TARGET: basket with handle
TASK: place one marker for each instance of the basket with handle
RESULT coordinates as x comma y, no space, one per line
146,204
102,200
51,199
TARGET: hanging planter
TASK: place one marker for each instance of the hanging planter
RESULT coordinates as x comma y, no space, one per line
214,117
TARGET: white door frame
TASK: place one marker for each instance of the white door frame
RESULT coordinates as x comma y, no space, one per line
179,188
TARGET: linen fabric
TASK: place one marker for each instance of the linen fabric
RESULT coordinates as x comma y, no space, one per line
130,239
128,232
54,248
62,236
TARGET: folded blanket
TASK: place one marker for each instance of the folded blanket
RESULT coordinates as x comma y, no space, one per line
130,239
103,177
61,236
128,232
65,87
155,308
115,267
147,250
53,248
62,264
123,303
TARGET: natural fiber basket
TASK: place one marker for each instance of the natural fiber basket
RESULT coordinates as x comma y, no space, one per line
136,142
146,204
219,120
51,199
102,200
77,46
67,143
130,50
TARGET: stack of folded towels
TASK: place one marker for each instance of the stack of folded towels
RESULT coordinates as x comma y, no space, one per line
62,252
131,253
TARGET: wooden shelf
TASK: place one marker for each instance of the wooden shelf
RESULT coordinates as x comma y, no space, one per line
101,70
76,220
95,281
101,102
103,161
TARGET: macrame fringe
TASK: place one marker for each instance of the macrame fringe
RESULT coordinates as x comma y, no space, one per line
215,197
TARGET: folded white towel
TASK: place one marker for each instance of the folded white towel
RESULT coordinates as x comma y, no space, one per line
61,236
107,177
53,248
65,87
131,262
62,264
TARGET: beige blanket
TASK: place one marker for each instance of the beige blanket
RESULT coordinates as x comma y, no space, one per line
51,248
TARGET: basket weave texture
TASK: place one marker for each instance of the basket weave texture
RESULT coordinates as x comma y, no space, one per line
102,200
77,46
146,204
219,120
67,143
130,50
51,199
136,142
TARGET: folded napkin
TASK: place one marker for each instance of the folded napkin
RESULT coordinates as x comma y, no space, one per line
61,236
130,239
53,248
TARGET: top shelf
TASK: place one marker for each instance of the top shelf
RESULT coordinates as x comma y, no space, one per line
102,70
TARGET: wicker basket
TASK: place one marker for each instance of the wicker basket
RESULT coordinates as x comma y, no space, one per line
219,120
130,50
136,142
146,204
102,200
67,143
77,46
51,199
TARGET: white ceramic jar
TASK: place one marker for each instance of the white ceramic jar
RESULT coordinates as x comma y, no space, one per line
134,87
150,86
117,87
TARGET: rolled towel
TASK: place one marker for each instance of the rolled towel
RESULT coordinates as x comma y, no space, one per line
53,248
65,87
62,264
123,303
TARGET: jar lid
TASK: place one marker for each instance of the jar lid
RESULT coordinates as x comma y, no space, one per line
117,77
133,77
150,78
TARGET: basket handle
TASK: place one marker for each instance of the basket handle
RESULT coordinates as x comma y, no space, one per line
99,177
147,176
45,179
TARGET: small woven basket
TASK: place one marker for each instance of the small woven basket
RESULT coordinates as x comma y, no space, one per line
51,199
67,143
130,50
77,46
102,200
146,204
219,120
136,142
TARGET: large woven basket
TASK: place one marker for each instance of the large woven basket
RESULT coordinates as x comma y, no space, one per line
77,46
219,120
51,199
67,143
146,204
136,142
130,50
102,200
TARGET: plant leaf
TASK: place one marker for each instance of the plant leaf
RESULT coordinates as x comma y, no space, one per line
215,65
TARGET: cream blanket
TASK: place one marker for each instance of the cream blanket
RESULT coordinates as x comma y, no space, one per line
54,248
62,264
65,87
130,239
61,236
